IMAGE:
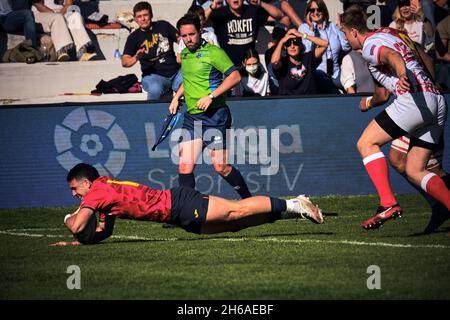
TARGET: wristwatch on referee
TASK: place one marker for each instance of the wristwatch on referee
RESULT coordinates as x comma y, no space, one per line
211,96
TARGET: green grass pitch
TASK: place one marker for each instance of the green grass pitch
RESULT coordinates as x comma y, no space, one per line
289,259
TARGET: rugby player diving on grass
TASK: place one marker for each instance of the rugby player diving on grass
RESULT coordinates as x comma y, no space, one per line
191,210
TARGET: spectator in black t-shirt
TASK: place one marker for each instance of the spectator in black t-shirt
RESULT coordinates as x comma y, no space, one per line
236,25
295,72
152,46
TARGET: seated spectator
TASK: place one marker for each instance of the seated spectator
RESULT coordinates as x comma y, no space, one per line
295,71
18,22
152,46
254,79
355,74
207,33
278,32
443,53
66,29
236,25
318,24
410,19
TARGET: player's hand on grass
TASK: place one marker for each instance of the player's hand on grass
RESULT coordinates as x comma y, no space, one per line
204,103
65,243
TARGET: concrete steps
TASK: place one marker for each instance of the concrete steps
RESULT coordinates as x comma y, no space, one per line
45,82
42,83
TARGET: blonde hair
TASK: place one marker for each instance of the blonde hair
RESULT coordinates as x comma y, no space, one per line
400,21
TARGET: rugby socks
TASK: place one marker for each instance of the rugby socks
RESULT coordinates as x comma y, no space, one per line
235,179
277,207
431,201
186,180
377,168
435,186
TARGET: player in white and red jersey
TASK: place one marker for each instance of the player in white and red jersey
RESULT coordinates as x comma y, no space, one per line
418,109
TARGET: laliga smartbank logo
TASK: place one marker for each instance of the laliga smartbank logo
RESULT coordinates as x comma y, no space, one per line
91,136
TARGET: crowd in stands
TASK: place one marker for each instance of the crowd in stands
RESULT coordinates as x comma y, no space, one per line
306,48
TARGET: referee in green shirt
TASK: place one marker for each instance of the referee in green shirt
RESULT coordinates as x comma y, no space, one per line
208,74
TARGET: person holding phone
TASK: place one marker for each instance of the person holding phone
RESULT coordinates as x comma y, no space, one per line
318,24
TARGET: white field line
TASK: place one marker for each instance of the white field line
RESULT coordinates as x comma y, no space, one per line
16,232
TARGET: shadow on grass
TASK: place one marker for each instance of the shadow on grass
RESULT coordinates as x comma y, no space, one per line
330,214
209,238
419,234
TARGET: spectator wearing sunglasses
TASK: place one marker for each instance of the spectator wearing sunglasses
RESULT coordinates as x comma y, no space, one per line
295,71
318,24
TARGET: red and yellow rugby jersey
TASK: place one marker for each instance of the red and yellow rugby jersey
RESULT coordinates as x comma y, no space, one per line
128,200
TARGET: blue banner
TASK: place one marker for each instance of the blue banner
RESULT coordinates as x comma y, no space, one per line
282,147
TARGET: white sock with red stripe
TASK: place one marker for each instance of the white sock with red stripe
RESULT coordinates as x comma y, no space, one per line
435,186
377,168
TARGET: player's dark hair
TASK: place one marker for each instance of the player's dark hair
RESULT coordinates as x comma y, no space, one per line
355,18
196,10
189,19
83,170
143,5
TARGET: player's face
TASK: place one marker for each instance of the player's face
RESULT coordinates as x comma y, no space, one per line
190,36
143,19
351,36
79,187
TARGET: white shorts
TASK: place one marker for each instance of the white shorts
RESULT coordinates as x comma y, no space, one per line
421,114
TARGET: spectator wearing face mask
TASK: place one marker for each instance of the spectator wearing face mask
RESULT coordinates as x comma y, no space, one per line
254,78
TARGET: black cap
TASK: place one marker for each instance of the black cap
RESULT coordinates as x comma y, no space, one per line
403,3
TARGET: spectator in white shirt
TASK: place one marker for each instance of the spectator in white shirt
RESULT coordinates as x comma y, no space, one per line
254,78
410,19
355,74
318,24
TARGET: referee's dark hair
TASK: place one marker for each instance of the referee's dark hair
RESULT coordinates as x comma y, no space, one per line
83,170
189,19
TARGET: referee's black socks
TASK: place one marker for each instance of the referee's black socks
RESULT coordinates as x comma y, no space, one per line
236,180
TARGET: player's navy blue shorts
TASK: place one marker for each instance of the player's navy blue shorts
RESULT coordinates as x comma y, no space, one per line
189,208
217,118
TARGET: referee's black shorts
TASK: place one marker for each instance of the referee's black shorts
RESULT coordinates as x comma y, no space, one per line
189,208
